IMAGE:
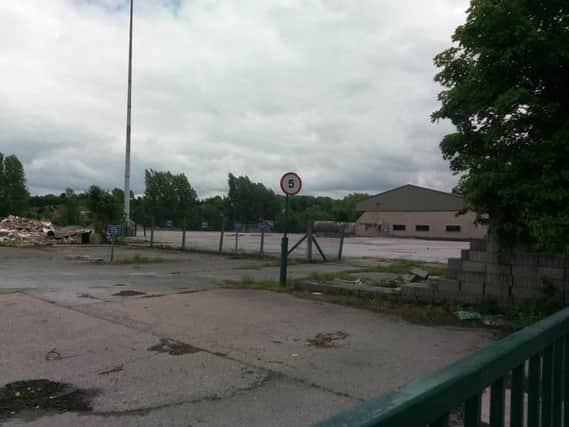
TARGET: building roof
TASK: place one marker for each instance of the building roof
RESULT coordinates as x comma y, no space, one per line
412,198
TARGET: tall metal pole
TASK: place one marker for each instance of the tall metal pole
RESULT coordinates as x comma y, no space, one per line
128,119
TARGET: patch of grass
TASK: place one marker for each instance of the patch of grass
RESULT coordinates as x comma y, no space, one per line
402,266
419,313
514,318
256,267
138,259
247,282
270,263
429,314
329,277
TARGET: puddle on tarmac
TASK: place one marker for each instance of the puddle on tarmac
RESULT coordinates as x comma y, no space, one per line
128,293
173,347
37,398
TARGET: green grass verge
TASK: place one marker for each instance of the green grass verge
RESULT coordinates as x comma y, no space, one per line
247,282
267,264
329,277
416,312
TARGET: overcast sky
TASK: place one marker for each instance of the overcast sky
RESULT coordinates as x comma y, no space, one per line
338,90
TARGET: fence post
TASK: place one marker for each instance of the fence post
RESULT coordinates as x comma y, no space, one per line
236,239
152,232
342,235
144,228
221,237
565,278
309,232
135,229
184,234
262,241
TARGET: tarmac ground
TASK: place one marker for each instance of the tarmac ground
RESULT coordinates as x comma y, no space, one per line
160,340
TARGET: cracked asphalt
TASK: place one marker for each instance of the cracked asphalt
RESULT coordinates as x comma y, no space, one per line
249,359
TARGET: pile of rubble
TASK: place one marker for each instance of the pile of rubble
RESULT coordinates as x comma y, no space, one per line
17,231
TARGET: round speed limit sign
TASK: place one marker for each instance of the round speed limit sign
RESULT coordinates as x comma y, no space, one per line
291,183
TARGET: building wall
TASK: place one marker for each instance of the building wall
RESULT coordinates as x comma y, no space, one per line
384,224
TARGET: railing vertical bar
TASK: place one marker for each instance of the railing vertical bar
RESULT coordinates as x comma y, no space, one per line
534,390
441,422
547,391
517,397
566,382
557,383
473,411
498,403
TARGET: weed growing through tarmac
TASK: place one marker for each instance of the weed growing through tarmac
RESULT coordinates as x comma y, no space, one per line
35,398
327,340
138,259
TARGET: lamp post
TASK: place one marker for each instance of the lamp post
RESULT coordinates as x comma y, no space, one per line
128,127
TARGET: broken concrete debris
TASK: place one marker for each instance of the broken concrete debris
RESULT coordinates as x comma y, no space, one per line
419,274
17,231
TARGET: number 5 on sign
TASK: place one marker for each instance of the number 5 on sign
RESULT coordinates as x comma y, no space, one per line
291,184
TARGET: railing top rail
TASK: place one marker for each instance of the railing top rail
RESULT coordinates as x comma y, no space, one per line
422,401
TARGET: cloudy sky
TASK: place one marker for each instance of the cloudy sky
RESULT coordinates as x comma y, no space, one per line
337,90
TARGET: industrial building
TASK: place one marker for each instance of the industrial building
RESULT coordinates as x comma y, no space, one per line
412,211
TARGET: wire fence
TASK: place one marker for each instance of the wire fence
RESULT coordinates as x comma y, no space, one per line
260,243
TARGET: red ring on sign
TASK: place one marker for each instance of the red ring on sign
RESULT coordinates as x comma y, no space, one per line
283,186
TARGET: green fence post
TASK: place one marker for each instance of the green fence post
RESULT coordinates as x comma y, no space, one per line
547,388
498,403
566,382
557,383
184,234
517,397
473,411
534,395
284,248
441,422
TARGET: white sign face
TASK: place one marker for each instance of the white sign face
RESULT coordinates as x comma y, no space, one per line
291,183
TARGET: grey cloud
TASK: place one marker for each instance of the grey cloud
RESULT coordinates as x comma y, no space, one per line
339,91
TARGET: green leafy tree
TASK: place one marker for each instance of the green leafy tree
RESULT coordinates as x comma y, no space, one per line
14,196
70,213
105,206
250,202
506,90
212,210
170,197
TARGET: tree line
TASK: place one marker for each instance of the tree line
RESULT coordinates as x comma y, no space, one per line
169,200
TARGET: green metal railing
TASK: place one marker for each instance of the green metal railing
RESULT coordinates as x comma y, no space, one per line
532,363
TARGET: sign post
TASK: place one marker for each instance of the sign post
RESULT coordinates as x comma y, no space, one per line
291,184
113,231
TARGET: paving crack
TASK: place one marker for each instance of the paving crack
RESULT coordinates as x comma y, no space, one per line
148,330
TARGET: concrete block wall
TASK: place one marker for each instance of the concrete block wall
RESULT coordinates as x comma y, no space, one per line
483,273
